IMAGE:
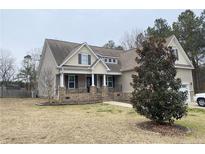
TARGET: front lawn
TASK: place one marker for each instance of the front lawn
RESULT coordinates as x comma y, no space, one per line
24,122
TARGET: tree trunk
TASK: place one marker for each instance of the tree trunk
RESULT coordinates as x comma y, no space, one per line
2,88
195,74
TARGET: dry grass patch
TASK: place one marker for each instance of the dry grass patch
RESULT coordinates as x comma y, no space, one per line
165,129
24,122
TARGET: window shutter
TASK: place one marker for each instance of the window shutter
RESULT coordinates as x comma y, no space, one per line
95,80
79,59
101,81
76,81
89,60
113,81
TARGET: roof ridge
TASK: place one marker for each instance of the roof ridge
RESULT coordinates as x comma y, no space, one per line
62,41
82,43
130,50
106,48
171,36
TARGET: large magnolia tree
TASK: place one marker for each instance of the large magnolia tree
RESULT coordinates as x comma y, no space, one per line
156,92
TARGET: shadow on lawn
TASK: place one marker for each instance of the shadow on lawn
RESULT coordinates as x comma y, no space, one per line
165,129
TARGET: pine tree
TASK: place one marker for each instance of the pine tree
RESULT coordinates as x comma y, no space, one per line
161,28
156,92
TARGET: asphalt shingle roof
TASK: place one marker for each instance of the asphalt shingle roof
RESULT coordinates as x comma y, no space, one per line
126,59
62,49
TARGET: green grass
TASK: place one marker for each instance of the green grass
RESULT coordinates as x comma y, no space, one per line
196,110
24,122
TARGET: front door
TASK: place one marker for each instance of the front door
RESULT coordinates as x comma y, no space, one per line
89,80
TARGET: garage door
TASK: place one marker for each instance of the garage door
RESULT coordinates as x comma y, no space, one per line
186,87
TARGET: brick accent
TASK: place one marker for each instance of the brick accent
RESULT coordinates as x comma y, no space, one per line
83,98
62,94
93,97
105,95
93,90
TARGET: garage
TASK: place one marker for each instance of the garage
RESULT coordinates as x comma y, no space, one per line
186,87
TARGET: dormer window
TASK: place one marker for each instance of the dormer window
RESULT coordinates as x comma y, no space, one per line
84,59
110,60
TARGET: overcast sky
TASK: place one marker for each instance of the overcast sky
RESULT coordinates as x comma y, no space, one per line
23,30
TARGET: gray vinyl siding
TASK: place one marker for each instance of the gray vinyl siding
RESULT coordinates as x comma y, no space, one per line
48,61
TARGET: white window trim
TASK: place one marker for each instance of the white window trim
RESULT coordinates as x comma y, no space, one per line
72,81
115,61
112,62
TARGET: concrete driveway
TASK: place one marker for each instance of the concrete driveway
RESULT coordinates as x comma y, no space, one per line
195,105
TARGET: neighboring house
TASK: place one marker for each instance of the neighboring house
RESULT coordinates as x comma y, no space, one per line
85,73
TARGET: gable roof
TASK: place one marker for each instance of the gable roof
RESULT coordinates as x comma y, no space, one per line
96,62
62,50
128,57
75,50
168,40
183,52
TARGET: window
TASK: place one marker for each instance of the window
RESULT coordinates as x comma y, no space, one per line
110,81
184,86
84,59
175,51
110,60
71,81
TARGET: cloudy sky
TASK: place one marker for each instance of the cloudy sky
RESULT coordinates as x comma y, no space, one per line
23,30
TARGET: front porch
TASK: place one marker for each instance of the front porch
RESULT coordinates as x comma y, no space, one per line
82,83
88,88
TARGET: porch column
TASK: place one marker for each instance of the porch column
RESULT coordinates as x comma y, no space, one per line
104,80
61,80
93,83
104,89
61,92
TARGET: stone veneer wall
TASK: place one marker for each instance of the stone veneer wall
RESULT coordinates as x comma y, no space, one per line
93,96
82,98
120,96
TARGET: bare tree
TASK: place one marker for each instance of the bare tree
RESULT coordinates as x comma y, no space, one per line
47,83
7,67
28,72
36,55
132,40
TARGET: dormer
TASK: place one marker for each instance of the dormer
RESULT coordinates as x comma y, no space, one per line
110,60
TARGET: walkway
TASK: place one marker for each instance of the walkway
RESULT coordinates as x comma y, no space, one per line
191,105
119,104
